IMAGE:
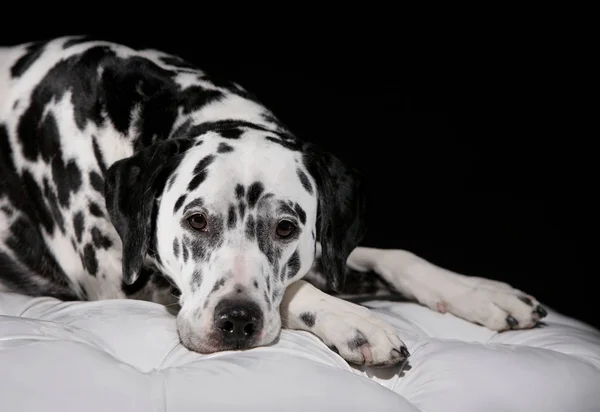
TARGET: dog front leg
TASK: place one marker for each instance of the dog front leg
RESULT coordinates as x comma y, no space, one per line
353,331
493,304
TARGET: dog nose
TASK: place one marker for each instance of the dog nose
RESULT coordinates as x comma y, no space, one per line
239,322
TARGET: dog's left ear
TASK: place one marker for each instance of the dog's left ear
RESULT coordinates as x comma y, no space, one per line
341,211
131,187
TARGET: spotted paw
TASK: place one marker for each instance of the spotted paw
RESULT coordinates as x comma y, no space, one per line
359,336
495,305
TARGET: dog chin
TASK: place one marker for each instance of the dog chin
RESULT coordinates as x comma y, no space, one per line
209,343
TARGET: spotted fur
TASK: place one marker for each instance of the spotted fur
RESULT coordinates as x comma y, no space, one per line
108,155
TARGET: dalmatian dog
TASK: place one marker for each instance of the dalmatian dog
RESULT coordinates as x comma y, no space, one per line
129,173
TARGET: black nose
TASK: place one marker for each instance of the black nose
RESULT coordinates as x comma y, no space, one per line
239,322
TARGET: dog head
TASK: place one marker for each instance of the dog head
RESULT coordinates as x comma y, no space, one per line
232,222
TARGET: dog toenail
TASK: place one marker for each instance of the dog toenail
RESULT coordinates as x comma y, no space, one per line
512,322
404,352
541,311
526,300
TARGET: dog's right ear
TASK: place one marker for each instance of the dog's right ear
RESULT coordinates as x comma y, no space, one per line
131,188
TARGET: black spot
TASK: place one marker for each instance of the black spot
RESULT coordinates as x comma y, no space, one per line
7,210
78,223
512,322
304,180
6,158
54,207
293,265
96,210
300,212
179,203
43,215
100,240
255,283
176,247
266,245
49,144
250,228
224,148
198,202
268,282
204,163
239,191
308,319
197,180
194,98
526,300
234,133
185,252
358,341
254,192
231,217
34,51
97,182
218,285
89,259
242,208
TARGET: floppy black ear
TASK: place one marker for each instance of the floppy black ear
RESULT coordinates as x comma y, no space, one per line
341,210
131,187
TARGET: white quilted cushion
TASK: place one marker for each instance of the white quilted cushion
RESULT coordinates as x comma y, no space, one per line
125,356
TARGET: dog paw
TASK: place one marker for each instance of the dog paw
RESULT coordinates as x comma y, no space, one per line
495,305
360,337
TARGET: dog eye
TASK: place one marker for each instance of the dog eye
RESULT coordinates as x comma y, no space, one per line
285,229
197,221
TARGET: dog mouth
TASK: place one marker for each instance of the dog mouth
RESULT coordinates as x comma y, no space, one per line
232,327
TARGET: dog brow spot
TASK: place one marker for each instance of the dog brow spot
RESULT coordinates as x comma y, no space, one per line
204,163
197,180
254,192
304,181
300,212
308,319
239,191
231,217
179,203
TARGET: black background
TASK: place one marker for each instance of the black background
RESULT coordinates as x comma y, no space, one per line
475,158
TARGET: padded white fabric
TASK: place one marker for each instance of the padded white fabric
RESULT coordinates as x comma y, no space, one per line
125,356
